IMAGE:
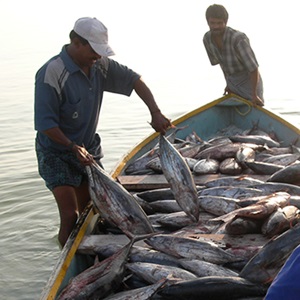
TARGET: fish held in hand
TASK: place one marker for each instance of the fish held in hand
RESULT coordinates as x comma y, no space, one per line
115,204
180,178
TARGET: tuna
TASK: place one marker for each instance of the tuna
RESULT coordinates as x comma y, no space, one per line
212,287
142,293
99,280
255,139
184,247
260,210
151,272
180,178
289,174
115,204
264,266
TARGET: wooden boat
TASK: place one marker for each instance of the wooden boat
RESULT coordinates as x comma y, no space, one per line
205,121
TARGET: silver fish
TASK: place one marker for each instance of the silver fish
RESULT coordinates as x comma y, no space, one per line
212,287
206,166
180,178
264,168
236,192
175,220
185,247
283,159
138,254
246,252
219,140
289,174
273,187
295,201
139,166
280,220
218,205
264,266
259,210
219,152
145,205
191,162
230,166
142,293
245,153
256,139
242,225
255,130
99,280
155,165
156,194
233,181
190,151
279,150
165,206
145,254
115,204
203,268
152,273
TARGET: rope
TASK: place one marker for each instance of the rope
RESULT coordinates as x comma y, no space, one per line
243,113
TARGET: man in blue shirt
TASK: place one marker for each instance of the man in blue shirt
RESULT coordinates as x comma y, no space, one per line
68,96
232,51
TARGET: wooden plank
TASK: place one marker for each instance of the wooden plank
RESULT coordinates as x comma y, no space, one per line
143,182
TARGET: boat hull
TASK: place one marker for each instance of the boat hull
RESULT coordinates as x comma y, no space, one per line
205,121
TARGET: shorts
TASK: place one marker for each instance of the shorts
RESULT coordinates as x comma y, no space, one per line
59,168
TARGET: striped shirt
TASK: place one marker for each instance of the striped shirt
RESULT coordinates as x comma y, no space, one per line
236,55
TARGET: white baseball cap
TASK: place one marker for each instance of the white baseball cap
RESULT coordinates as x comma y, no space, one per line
95,33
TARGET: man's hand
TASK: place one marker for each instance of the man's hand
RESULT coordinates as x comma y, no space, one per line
83,155
159,122
257,101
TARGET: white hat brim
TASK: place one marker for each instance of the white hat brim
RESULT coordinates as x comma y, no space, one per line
102,49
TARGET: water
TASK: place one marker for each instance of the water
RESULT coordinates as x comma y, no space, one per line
161,40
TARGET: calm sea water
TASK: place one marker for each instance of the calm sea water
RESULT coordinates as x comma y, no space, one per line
160,39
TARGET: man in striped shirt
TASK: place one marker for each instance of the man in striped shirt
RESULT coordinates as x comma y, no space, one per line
231,49
69,90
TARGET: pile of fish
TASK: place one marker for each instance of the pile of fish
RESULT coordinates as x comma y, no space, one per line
226,239
245,152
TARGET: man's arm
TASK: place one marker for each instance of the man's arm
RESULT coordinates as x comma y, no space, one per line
159,122
56,135
254,75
